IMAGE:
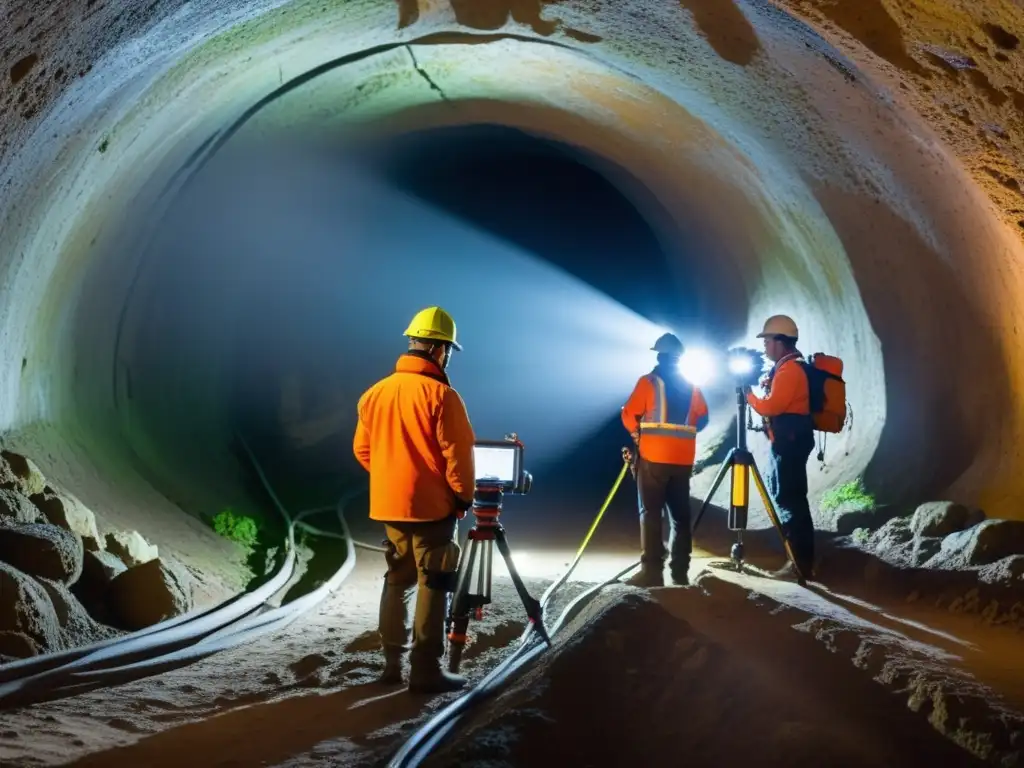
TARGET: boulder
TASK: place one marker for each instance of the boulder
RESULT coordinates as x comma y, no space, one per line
25,608
98,570
78,625
17,645
27,477
1008,571
43,550
64,510
60,598
941,518
101,568
15,508
924,549
131,548
982,544
849,516
146,595
892,536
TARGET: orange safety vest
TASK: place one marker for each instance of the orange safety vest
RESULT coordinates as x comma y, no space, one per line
667,418
415,439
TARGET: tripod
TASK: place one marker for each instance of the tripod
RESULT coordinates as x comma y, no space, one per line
475,570
742,465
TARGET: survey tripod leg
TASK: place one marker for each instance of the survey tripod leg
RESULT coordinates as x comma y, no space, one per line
534,610
473,589
460,606
743,467
726,465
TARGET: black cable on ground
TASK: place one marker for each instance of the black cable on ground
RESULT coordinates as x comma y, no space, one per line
185,639
427,738
420,744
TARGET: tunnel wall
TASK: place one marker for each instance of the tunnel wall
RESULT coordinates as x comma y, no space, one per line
833,203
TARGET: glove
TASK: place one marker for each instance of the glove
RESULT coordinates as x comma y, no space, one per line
461,507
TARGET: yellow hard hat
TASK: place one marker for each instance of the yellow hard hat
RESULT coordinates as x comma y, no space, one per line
433,324
779,325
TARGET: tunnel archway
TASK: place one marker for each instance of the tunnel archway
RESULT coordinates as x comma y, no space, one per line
783,175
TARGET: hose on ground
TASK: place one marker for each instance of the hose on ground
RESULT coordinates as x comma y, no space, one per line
444,722
427,737
187,638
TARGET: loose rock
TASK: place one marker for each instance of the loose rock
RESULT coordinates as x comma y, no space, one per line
146,595
852,515
101,568
15,508
66,511
892,536
25,608
982,544
17,645
43,550
27,477
98,570
60,599
941,518
131,548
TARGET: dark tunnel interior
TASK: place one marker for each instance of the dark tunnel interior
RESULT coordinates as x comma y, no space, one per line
554,201
297,267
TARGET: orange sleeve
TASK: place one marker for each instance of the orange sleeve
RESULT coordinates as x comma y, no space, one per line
698,410
786,389
456,438
637,405
361,441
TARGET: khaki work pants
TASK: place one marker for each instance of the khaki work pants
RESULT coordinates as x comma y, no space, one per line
661,486
422,556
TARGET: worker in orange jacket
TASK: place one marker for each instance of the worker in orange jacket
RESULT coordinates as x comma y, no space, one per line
664,414
415,439
786,409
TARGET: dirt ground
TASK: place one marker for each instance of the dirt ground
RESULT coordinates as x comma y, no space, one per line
808,676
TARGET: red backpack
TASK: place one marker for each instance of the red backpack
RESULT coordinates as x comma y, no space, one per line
827,391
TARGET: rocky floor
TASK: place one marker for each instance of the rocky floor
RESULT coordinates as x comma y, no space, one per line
807,675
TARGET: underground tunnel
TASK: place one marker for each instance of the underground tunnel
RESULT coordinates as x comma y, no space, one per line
218,217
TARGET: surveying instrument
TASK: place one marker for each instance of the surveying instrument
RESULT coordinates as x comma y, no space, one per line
740,463
499,471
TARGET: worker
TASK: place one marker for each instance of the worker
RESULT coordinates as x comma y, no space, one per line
786,409
663,415
415,439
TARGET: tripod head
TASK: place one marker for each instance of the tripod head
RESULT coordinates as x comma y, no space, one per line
488,494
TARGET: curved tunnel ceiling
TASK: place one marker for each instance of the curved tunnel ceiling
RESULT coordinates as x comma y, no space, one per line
823,193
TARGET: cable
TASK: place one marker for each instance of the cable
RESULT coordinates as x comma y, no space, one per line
427,737
187,638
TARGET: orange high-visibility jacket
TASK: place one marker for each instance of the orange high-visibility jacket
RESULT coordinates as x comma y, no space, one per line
415,439
788,393
667,415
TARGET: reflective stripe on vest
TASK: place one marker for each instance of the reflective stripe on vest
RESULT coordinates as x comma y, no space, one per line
668,416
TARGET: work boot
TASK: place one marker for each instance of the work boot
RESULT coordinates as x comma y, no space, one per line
680,579
392,674
649,575
428,677
788,572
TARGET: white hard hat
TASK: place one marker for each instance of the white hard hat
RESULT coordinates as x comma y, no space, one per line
779,325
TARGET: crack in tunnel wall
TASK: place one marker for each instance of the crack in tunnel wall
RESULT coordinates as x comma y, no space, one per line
828,200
